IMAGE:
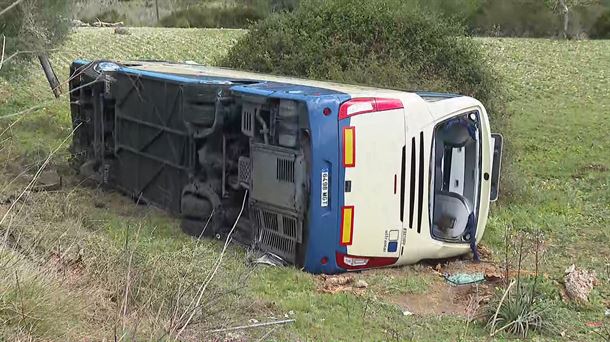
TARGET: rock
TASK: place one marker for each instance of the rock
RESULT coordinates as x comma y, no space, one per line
361,284
48,181
121,30
579,283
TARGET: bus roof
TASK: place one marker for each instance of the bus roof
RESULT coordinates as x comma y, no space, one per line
281,83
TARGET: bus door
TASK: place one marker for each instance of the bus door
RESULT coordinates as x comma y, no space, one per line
372,142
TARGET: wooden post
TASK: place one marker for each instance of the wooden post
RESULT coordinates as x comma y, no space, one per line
50,74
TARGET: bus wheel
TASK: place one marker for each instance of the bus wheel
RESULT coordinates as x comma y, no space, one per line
196,227
200,217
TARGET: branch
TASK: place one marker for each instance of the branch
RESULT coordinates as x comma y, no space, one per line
265,324
32,52
10,7
3,46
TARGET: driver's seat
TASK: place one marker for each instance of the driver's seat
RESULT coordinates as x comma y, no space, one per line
451,211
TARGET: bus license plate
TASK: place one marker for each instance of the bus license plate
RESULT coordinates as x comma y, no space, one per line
324,199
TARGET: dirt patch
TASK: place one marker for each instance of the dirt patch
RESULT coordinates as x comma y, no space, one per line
445,300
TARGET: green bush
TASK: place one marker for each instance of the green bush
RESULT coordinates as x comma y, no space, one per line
109,16
516,18
227,17
601,28
387,43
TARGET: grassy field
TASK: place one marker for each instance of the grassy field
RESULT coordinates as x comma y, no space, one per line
85,264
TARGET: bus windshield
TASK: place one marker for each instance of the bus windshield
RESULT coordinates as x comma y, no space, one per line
455,177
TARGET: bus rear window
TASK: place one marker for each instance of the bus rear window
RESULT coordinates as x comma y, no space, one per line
455,176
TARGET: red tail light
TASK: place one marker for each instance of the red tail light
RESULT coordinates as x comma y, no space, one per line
365,105
352,262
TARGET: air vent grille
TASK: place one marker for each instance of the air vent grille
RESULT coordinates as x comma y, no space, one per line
278,233
420,194
279,245
416,184
412,184
247,119
244,172
285,170
270,221
289,227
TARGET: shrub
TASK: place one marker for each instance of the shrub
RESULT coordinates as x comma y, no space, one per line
601,28
109,16
227,17
517,18
387,43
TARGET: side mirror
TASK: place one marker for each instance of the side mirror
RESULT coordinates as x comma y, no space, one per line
497,141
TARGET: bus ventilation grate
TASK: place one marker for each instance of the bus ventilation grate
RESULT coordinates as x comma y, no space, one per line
247,119
244,172
285,170
279,245
278,233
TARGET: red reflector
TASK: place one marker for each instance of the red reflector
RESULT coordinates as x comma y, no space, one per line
365,105
352,262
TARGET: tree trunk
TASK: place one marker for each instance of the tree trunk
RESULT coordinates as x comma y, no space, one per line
50,74
566,17
157,9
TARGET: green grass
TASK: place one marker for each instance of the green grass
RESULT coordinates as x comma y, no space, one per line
560,105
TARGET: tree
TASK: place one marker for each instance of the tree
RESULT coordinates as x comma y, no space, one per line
565,8
32,25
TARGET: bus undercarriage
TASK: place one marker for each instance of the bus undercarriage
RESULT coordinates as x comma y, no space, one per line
194,148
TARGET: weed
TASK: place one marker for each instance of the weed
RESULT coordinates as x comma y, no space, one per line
520,312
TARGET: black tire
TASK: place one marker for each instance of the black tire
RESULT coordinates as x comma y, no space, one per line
194,227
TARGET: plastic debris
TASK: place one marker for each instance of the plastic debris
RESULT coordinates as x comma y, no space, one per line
269,260
607,313
407,313
465,278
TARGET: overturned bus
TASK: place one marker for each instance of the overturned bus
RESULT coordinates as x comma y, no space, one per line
329,177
